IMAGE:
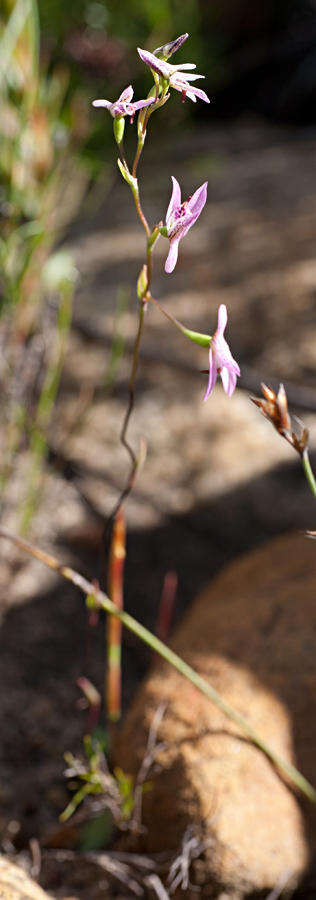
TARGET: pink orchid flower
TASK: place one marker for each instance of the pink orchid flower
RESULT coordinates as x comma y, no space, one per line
221,360
124,106
177,78
180,217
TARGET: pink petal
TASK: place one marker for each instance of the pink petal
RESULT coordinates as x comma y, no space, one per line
232,383
221,318
105,103
182,66
175,201
127,94
183,76
172,256
197,201
225,376
191,96
191,92
158,65
140,103
212,375
200,94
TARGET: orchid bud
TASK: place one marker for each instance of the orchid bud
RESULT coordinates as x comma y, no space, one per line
142,283
203,340
168,49
153,237
118,128
127,175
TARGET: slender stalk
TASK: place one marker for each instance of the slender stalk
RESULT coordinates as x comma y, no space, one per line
131,387
138,154
165,313
142,306
123,435
149,266
103,602
310,478
203,340
122,152
140,213
151,238
142,136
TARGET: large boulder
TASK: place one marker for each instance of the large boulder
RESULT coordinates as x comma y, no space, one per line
252,635
15,884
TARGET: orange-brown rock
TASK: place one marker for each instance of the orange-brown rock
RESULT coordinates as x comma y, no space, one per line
15,884
252,635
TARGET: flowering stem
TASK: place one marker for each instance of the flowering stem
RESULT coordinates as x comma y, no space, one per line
308,471
103,602
151,237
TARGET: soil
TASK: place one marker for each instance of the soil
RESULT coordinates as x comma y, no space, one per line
217,480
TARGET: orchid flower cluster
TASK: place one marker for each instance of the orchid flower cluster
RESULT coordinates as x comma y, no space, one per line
181,214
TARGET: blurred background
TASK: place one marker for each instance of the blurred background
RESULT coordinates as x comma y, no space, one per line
217,480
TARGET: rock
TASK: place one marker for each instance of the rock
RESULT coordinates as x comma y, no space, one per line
15,884
250,634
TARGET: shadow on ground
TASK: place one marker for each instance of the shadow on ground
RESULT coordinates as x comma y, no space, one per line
45,644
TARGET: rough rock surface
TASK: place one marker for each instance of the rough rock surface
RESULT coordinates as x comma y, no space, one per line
251,634
15,884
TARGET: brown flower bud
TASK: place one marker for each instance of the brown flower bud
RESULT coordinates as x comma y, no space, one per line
274,407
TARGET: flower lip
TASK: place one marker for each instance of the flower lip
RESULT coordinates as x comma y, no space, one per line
221,360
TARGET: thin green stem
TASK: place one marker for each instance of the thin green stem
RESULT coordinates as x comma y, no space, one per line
122,153
140,213
166,313
310,478
149,266
142,136
203,340
103,602
138,154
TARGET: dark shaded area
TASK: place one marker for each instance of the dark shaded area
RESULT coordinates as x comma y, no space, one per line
268,57
258,57
44,645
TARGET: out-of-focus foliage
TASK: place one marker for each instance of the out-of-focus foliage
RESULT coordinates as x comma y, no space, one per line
39,136
54,59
